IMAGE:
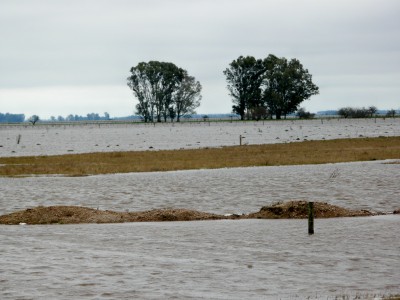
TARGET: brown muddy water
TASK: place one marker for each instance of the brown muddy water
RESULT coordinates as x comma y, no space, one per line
246,259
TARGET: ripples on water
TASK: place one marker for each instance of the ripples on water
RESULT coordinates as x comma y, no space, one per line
364,185
78,138
247,259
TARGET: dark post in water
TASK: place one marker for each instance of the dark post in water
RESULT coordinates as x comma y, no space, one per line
310,217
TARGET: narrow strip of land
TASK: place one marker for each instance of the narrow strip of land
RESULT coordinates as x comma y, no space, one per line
77,214
299,153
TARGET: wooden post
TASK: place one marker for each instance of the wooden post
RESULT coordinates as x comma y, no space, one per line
310,217
240,140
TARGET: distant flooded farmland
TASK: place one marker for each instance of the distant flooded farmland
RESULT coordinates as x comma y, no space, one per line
79,138
247,259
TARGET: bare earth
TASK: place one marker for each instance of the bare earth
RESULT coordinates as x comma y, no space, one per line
77,214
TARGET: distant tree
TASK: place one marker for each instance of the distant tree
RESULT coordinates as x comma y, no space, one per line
244,77
391,113
345,112
106,116
33,119
259,113
186,98
303,114
60,119
153,84
53,119
90,117
287,84
350,112
372,110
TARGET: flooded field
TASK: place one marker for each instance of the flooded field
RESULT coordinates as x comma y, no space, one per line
247,259
361,185
253,259
61,139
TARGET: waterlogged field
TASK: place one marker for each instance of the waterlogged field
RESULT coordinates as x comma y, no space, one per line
247,259
62,139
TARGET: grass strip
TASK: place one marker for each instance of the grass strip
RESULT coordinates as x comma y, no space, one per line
296,153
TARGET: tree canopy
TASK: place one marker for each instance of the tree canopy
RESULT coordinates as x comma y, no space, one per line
163,90
274,84
244,77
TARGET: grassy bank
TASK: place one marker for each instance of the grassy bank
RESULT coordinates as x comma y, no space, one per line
308,152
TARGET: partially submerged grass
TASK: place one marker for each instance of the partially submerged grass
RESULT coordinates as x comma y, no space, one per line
298,153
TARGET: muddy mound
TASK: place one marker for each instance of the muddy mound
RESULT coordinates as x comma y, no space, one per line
299,210
77,214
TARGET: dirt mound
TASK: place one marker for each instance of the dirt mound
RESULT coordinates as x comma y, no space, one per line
77,214
299,210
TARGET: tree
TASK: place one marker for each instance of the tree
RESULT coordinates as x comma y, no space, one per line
244,77
186,98
372,110
33,119
345,112
153,84
350,112
303,114
286,85
391,113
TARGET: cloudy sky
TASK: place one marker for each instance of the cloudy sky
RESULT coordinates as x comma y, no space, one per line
60,57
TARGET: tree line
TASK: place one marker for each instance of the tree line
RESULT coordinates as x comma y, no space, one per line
259,88
88,117
11,118
363,112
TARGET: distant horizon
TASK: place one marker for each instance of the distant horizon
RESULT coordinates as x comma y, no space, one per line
111,117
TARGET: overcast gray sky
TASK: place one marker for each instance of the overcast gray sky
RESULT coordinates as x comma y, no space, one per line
62,57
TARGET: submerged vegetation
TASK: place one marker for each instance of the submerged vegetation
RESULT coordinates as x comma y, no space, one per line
298,153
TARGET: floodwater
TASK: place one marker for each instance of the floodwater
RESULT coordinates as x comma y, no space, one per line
246,259
78,138
359,185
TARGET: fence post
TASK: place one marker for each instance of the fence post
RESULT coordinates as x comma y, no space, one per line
310,217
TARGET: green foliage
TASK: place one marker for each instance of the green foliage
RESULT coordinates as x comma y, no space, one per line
391,113
244,77
187,97
286,85
275,84
351,112
303,114
33,119
163,90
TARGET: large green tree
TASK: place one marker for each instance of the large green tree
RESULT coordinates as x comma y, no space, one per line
153,83
186,98
244,77
286,85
